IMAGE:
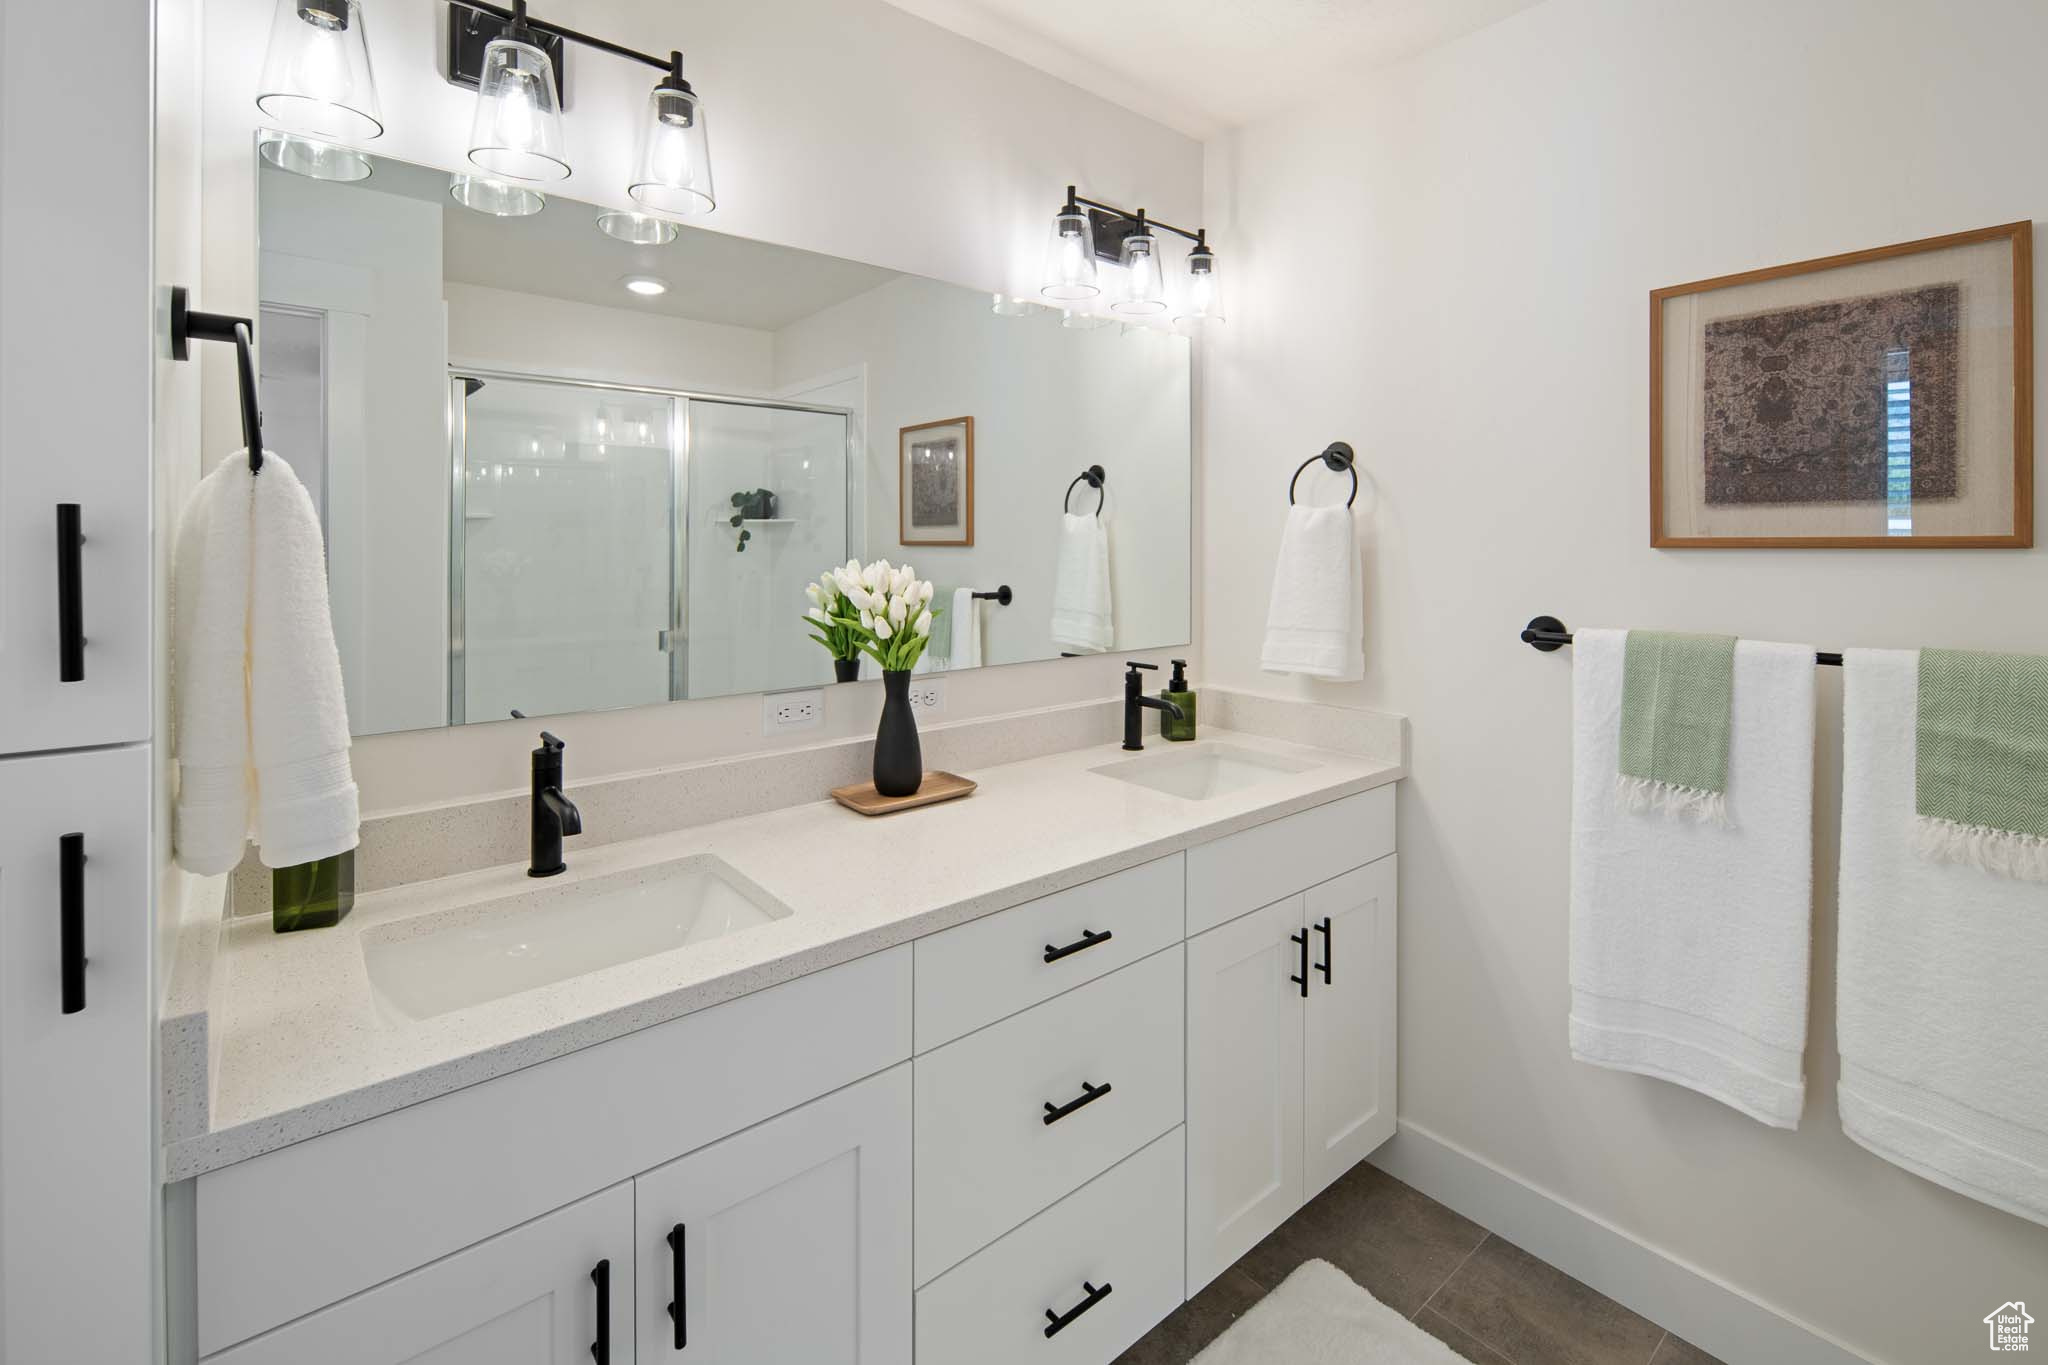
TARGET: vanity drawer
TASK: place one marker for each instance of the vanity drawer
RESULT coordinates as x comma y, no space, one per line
1240,872
980,972
1121,1231
987,1159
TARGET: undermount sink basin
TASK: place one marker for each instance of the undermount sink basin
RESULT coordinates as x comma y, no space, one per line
436,963
1202,772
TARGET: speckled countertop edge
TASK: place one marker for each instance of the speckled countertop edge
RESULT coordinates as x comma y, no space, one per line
298,1048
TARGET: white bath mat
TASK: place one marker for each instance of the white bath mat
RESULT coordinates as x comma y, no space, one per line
1319,1317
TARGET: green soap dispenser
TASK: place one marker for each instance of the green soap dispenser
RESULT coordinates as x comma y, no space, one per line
1180,694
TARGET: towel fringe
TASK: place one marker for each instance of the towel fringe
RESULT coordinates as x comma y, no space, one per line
2005,852
1649,794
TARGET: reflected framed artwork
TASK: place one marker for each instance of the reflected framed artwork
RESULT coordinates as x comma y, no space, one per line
1871,400
936,467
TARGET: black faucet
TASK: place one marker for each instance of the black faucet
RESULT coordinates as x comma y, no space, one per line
1135,702
554,814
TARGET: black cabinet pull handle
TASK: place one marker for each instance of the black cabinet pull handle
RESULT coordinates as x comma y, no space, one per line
70,595
601,1276
1058,1321
1089,1094
1323,928
71,920
1089,938
1302,980
678,1310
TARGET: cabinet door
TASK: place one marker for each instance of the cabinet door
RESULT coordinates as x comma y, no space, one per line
75,372
789,1242
77,1157
1348,1050
1244,1085
531,1296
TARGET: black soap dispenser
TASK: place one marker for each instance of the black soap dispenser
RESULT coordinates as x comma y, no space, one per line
1180,694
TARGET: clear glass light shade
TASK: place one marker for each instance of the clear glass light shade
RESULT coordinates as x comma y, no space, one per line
1076,320
672,172
1011,306
517,130
1070,258
1143,289
641,229
498,198
310,157
1202,297
316,75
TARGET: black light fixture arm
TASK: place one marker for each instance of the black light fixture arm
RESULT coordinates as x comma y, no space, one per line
1200,236
519,18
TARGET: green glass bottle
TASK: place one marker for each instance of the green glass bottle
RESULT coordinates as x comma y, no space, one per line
1180,694
312,895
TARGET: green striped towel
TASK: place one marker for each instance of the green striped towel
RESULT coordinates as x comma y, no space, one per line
1980,776
940,645
1677,694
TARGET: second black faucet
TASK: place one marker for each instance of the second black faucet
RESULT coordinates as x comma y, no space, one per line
554,815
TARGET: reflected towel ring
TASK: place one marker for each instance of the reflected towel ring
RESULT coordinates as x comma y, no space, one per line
1093,477
1339,457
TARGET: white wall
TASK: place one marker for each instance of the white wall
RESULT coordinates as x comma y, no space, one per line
1122,401
498,329
821,128
1448,266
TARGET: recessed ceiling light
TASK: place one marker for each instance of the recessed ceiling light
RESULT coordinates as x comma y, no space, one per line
647,286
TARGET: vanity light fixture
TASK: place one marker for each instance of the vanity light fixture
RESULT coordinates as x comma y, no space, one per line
1070,254
1202,301
641,229
516,130
1144,283
646,286
672,172
1087,229
316,72
498,198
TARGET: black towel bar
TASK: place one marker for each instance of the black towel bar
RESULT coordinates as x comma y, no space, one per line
1339,457
1547,633
1002,596
1093,477
188,325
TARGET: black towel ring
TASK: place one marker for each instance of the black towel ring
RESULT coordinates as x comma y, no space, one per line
1339,457
1093,477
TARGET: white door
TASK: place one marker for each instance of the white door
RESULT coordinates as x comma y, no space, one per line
531,1296
786,1244
75,373
1244,1084
1348,1051
77,1157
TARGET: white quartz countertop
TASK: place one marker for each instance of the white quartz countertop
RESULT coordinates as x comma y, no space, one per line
303,1048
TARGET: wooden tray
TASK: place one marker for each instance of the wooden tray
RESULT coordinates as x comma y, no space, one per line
936,787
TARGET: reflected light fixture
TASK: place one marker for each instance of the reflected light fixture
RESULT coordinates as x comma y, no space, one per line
316,72
1088,230
310,157
498,198
646,286
641,229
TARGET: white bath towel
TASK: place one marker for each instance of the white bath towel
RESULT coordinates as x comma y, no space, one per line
1942,974
1315,622
965,648
1081,613
1690,940
262,725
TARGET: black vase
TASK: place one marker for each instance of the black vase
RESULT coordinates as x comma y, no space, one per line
846,670
899,763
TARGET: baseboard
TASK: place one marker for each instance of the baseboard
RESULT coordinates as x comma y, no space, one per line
1710,1313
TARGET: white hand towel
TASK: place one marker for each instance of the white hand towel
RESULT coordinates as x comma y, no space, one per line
1690,940
1942,974
1081,615
261,723
966,647
210,651
1315,623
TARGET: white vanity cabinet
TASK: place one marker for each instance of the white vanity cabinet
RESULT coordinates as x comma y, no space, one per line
787,1242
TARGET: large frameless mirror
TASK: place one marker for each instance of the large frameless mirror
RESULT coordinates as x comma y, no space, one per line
560,470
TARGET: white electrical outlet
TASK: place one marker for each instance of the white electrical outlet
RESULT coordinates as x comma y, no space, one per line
785,711
927,696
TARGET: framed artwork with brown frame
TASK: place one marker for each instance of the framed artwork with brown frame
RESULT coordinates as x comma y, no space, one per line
1873,400
935,483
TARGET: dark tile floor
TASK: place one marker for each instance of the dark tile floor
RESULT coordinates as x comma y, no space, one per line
1489,1300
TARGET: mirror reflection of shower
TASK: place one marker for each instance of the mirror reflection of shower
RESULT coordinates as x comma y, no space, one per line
594,547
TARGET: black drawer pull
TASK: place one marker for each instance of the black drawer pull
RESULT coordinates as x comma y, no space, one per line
601,1349
1060,1320
1089,1094
71,921
678,1309
1329,952
70,595
1302,980
1089,938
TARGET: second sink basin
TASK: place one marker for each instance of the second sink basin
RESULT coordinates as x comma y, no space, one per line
1201,772
435,963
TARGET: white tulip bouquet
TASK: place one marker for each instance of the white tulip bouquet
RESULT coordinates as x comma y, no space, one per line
875,609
